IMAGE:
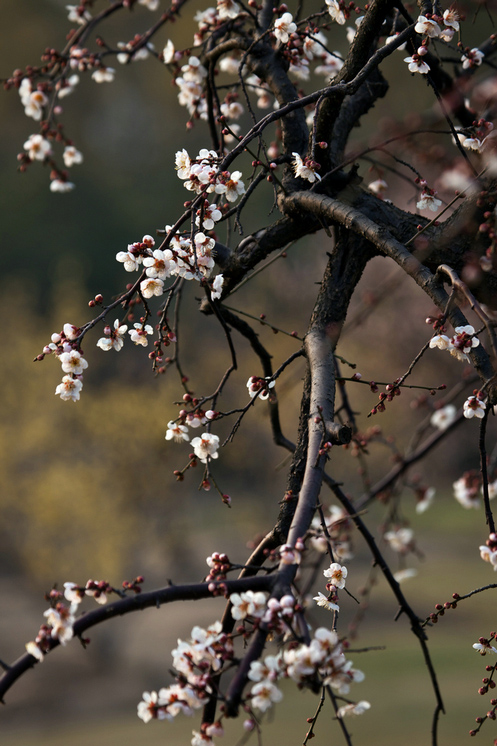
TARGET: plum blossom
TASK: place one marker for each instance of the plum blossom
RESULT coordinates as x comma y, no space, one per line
331,65
103,75
441,341
416,64
406,574
176,432
72,593
378,187
168,52
426,498
228,9
249,603
463,342
271,669
69,389
61,185
206,447
139,334
484,647
130,259
148,708
283,27
66,87
259,387
217,287
336,574
472,58
38,148
289,555
322,600
306,169
183,164
151,286
61,619
230,185
428,201
72,156
160,265
114,339
451,18
264,694
444,417
336,12
74,16
150,4
33,649
466,492
474,407
353,709
73,362
400,539
34,104
427,27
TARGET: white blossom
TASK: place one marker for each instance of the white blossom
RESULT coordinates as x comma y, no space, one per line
150,4
67,86
249,603
61,185
72,156
474,407
69,389
451,18
176,432
353,709
466,493
139,334
473,58
283,27
264,694
115,337
303,169
428,201
228,9
399,539
73,362
427,27
151,286
336,574
103,75
444,417
417,65
38,148
322,600
75,17
206,447
441,341
217,287
336,12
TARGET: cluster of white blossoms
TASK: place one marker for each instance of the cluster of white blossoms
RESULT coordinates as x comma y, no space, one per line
181,259
192,659
428,27
202,175
64,345
205,447
60,618
323,658
459,345
336,575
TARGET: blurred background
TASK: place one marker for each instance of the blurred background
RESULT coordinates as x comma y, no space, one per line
87,490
